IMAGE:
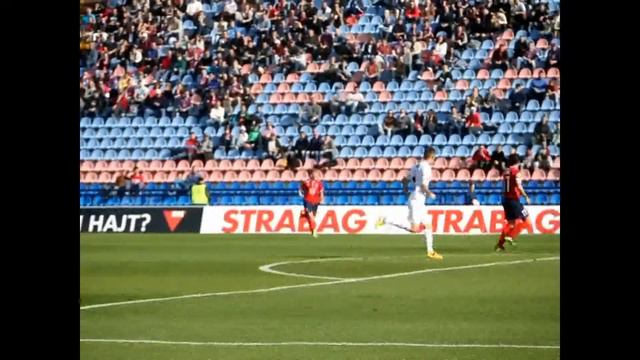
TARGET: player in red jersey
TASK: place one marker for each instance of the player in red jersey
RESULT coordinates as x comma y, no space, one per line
312,192
516,215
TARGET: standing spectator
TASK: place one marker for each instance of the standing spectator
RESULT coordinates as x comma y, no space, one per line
542,131
206,148
498,160
134,181
470,197
191,146
482,158
474,122
200,194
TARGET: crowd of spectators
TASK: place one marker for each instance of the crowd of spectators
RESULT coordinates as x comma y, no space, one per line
182,57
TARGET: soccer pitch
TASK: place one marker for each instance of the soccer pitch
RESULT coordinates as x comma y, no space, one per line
153,296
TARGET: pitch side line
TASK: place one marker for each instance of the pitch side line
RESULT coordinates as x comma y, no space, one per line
335,282
316,343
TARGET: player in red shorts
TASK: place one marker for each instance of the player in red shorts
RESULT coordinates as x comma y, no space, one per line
312,192
516,215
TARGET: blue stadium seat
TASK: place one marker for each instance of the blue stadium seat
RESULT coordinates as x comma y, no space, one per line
361,152
389,152
404,151
440,140
396,140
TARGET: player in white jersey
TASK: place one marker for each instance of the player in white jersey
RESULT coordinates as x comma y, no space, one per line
419,177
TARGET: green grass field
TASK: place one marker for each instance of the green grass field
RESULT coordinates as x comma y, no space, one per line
464,304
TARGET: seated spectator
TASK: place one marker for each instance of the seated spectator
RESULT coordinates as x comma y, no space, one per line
538,89
553,57
403,124
474,122
418,123
253,137
310,113
329,151
206,148
301,147
543,159
389,124
500,58
556,135
274,149
498,159
513,157
441,47
482,158
456,124
553,91
529,160
191,146
412,13
267,132
315,146
335,104
240,141
431,125
227,139
542,132
355,101
217,112
518,98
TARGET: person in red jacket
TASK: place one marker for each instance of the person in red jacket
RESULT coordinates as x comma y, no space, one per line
474,122
412,13
482,158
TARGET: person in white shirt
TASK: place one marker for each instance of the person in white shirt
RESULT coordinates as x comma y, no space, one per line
419,176
194,7
441,47
217,112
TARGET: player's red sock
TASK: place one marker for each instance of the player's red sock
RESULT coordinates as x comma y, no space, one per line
312,223
505,231
518,227
303,215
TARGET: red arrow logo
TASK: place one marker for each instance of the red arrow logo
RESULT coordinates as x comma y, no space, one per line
173,218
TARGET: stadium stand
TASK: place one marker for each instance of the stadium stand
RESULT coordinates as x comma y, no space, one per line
225,90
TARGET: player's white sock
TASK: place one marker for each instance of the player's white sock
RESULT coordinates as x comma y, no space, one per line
428,239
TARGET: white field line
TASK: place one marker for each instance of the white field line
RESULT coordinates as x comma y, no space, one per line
269,268
334,282
317,343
